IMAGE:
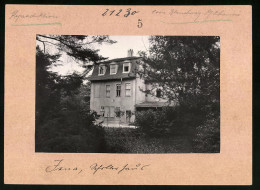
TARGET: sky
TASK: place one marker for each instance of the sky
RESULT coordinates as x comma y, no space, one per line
112,51
124,43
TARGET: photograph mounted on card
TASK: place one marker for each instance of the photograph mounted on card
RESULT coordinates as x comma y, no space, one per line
133,95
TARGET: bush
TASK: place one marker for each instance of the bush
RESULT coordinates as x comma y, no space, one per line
70,129
202,130
168,121
207,138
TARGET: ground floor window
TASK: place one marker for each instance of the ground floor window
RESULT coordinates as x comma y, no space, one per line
128,114
158,93
109,111
117,111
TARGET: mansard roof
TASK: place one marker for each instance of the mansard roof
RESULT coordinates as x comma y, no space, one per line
119,74
119,59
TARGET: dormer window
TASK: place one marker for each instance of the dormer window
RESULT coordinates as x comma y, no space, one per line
113,69
126,67
101,69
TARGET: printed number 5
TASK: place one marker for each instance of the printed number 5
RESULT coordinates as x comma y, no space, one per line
140,24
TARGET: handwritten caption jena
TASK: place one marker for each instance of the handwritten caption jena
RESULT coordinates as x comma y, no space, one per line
60,166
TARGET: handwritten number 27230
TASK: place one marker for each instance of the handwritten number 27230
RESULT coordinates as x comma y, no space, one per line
118,13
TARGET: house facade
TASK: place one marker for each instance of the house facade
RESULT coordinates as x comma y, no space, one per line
116,86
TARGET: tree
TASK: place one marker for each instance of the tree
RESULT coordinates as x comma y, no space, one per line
64,122
187,69
77,46
47,92
49,85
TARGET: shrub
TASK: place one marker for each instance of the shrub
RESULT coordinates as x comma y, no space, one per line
70,129
169,121
200,129
159,122
207,137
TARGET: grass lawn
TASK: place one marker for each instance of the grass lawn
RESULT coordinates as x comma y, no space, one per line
126,140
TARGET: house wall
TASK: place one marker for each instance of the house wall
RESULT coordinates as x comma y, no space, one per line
140,86
124,102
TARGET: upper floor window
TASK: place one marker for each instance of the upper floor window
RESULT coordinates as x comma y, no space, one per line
101,69
118,90
126,67
107,91
127,89
113,69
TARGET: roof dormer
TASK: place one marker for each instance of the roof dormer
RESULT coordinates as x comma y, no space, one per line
126,67
101,69
113,68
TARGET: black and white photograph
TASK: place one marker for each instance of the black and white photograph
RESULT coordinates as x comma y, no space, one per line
127,94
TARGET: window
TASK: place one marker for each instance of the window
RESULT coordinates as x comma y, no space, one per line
107,91
158,93
127,89
128,115
118,90
112,111
113,69
117,111
126,67
109,111
101,70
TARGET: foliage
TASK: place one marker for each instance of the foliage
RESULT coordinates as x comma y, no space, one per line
207,138
71,130
76,46
201,133
170,121
125,140
64,122
186,69
119,113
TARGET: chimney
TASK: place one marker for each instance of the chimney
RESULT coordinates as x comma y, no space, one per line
130,53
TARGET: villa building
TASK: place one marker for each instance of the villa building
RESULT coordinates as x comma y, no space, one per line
116,86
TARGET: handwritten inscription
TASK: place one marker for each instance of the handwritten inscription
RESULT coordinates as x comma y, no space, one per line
59,166
96,167
198,16
17,15
120,12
